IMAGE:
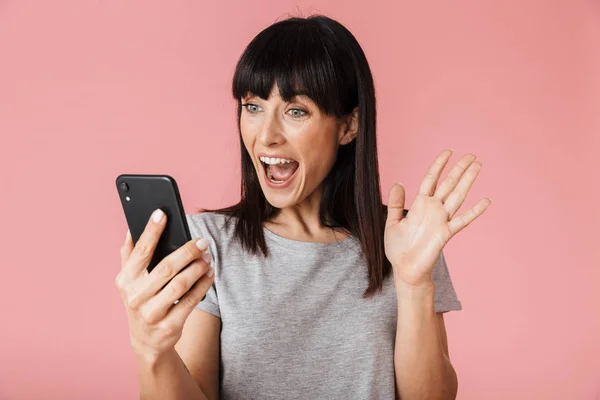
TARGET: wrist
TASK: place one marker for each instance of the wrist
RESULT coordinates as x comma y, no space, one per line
150,358
425,284
424,288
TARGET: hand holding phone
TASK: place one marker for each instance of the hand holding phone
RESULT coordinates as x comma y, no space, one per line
155,323
164,274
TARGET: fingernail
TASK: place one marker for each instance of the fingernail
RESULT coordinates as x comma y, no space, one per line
127,235
202,244
206,257
157,215
211,272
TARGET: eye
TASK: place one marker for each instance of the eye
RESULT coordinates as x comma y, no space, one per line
296,112
251,108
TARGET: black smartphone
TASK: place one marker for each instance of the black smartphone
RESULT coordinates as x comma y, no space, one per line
142,194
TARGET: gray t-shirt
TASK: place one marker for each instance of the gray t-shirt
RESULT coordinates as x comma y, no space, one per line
295,325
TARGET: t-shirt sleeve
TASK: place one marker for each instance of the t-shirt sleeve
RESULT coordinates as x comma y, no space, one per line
198,230
445,298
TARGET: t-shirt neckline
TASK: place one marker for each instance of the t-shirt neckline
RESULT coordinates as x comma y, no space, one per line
277,238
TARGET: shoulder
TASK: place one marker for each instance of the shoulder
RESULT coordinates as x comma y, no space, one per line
210,223
219,229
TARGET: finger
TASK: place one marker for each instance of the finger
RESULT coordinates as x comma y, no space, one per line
126,248
432,177
144,248
172,264
459,193
191,299
177,288
153,285
460,222
454,177
395,204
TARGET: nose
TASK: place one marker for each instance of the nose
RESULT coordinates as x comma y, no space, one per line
272,131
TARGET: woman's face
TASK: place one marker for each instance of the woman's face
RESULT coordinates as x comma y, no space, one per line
293,145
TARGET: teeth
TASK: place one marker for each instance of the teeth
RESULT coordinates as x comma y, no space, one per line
271,160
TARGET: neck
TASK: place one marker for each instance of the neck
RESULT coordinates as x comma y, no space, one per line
301,221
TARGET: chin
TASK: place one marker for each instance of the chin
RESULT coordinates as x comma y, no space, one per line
279,200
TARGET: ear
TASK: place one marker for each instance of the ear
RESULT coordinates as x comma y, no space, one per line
349,128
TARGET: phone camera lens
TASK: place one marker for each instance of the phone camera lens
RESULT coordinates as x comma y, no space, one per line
124,187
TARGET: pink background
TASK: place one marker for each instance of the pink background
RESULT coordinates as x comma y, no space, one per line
89,90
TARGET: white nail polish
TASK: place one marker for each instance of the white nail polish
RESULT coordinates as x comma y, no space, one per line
157,215
202,244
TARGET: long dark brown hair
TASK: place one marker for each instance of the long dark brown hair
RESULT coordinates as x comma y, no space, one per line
322,58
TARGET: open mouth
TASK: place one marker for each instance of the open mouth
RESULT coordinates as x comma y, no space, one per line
279,171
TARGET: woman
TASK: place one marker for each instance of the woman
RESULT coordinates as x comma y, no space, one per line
316,290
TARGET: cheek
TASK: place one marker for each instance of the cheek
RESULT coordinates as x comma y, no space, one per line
321,161
248,136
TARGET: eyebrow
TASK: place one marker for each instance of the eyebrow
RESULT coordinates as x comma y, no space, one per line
301,93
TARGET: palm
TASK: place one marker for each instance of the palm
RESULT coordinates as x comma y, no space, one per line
418,239
414,243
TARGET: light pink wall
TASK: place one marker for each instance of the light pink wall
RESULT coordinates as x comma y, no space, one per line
89,90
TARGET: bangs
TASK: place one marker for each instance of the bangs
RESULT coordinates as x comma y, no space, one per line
297,55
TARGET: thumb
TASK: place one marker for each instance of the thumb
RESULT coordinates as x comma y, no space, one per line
395,204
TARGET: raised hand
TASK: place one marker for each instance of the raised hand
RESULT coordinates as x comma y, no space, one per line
414,243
